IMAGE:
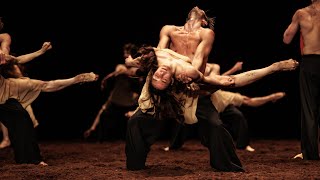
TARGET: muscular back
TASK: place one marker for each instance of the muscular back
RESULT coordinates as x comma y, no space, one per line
194,44
184,42
308,21
310,30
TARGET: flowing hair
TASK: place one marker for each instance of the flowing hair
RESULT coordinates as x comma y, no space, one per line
166,105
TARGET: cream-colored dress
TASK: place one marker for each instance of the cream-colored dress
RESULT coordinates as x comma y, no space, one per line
24,89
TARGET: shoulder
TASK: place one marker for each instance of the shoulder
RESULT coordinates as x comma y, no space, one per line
207,33
170,27
302,12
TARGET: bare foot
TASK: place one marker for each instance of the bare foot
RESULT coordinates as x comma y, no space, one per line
277,96
87,77
43,164
5,143
298,156
285,65
166,149
250,149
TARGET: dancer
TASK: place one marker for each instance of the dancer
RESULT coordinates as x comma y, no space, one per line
307,21
123,98
16,91
14,69
227,104
144,127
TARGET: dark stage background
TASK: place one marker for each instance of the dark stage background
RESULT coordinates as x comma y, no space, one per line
89,37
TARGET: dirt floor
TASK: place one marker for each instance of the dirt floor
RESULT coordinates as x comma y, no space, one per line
94,160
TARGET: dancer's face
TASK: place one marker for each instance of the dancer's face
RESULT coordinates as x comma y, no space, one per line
162,78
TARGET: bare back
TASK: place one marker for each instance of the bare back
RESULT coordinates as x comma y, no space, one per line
195,44
184,42
310,29
308,21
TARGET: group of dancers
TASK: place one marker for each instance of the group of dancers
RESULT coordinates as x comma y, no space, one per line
179,85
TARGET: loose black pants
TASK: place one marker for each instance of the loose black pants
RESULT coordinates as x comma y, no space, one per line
21,132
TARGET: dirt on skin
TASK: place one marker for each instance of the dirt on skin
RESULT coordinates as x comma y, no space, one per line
93,160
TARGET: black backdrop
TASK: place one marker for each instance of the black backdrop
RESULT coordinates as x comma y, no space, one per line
88,36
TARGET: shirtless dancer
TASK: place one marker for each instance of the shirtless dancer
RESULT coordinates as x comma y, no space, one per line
307,21
195,42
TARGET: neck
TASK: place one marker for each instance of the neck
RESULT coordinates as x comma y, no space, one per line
315,1
192,24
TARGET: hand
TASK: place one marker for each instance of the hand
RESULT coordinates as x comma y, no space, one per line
87,133
87,77
238,66
184,78
103,84
2,57
193,89
130,62
46,46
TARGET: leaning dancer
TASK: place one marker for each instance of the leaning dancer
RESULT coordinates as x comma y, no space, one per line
15,95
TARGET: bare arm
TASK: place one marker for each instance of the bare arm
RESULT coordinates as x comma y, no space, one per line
130,62
28,57
235,68
56,85
293,28
203,50
164,40
96,120
5,40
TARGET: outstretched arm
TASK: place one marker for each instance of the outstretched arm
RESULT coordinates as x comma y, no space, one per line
56,85
249,77
259,101
96,120
28,57
220,81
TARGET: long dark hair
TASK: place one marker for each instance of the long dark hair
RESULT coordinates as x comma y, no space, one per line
166,105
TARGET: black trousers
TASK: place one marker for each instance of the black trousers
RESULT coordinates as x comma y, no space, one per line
113,122
143,130
233,120
216,138
309,79
21,132
236,123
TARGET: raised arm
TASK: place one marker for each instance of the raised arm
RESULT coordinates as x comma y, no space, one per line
28,57
235,68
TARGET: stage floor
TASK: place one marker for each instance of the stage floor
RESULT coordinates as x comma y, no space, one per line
93,160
